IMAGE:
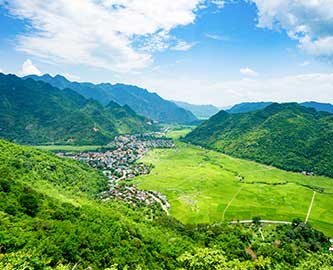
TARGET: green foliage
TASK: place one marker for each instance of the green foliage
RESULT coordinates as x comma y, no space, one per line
36,113
287,136
140,100
248,107
69,229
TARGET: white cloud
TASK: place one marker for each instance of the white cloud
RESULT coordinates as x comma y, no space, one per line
28,68
305,64
298,88
218,3
102,33
248,72
183,46
308,21
1,71
71,77
218,37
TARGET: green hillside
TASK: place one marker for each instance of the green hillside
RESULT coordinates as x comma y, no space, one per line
253,106
50,219
143,102
36,113
248,107
287,136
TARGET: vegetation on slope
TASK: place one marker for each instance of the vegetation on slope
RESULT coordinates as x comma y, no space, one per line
36,113
140,100
254,106
248,107
49,219
288,136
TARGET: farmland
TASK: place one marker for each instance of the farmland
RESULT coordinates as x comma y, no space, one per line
205,186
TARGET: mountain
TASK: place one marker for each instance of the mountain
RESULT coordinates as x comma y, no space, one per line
248,107
288,136
34,112
140,100
200,111
321,107
252,106
51,218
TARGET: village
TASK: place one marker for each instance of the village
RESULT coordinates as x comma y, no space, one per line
120,163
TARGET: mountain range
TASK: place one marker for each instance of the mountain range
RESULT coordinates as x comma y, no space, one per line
287,136
253,106
200,111
34,112
140,100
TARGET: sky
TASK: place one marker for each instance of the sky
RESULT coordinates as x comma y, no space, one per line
200,51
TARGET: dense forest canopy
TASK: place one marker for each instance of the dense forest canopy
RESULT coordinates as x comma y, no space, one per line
288,136
36,113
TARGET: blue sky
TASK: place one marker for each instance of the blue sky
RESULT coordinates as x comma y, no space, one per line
200,51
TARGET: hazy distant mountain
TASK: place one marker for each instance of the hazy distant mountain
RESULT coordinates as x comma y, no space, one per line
253,106
37,113
323,107
288,136
140,100
200,111
248,107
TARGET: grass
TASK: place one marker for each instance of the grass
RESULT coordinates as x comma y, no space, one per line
205,186
72,148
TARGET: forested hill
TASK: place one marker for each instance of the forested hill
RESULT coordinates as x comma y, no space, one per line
253,106
51,218
288,136
140,100
37,113
248,107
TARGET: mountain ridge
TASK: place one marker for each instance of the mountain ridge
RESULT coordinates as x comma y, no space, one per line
143,102
34,112
252,106
288,136
200,111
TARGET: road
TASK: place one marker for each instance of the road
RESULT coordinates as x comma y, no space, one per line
310,208
230,202
165,209
261,221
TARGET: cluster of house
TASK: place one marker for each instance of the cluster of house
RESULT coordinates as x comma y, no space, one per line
308,173
133,195
120,164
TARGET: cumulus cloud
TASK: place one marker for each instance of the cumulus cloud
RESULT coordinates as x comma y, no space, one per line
308,21
248,72
28,68
103,33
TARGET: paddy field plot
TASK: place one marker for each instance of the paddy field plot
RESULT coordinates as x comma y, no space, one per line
205,186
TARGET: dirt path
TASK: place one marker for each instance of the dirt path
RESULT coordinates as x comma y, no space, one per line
165,209
230,202
261,221
310,207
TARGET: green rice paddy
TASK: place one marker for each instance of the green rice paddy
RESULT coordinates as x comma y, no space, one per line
205,186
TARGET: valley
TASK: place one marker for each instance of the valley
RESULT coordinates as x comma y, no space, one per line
204,187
